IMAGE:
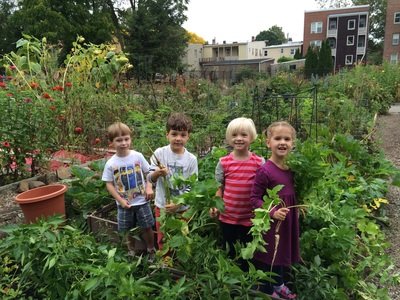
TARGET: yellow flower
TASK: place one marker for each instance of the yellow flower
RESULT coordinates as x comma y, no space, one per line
351,178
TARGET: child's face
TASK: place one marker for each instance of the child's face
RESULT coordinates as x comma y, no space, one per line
122,144
281,141
177,140
240,140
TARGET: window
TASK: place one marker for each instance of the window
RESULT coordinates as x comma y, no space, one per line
397,18
332,24
361,41
350,40
395,39
316,27
281,50
351,24
394,58
265,52
316,43
363,21
292,51
332,43
349,60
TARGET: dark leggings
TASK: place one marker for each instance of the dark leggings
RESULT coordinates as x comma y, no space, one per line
232,234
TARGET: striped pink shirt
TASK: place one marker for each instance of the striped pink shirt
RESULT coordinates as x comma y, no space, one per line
237,180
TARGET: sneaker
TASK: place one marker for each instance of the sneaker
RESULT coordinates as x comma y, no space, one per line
284,292
275,295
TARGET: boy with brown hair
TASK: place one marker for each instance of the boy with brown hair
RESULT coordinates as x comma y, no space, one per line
169,160
125,176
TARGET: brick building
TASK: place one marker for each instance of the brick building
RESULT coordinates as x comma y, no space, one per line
346,30
391,47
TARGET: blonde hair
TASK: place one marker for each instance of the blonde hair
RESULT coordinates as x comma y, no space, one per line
239,124
118,129
269,131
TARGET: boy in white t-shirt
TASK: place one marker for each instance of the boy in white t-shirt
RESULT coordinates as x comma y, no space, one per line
169,160
125,175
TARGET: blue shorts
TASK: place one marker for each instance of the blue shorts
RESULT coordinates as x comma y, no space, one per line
135,216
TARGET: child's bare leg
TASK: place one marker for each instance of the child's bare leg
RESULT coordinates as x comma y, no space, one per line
130,242
148,237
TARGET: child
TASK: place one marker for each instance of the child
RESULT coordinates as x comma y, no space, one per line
124,174
169,160
280,139
235,172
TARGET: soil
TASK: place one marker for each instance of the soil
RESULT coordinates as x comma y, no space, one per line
388,138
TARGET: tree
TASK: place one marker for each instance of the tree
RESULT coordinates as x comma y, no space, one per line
325,63
273,36
156,40
311,63
195,39
297,54
61,21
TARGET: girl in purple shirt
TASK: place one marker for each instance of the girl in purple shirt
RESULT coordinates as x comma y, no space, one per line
280,139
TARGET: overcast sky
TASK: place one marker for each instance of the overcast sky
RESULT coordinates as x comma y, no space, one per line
239,20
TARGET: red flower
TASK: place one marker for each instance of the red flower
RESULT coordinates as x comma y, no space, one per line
12,67
78,130
97,141
68,84
46,96
61,117
6,144
34,85
58,88
28,100
9,95
53,108
3,85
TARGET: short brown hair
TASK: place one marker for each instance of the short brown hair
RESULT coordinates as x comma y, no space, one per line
179,122
117,129
269,131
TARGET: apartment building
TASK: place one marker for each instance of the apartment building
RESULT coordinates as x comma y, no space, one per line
391,47
286,50
346,30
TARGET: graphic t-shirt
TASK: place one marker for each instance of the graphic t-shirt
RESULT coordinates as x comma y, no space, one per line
127,174
182,164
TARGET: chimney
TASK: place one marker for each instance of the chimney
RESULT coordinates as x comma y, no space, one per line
213,41
253,38
224,42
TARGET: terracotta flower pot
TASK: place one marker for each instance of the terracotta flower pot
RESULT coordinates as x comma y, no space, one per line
43,201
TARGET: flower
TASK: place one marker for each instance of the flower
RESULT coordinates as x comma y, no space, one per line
97,141
68,84
58,88
53,107
46,96
12,67
78,130
34,85
3,85
6,144
28,100
9,95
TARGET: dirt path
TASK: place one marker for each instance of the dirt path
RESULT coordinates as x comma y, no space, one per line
388,134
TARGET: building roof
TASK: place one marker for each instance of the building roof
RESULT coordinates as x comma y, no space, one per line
238,62
337,8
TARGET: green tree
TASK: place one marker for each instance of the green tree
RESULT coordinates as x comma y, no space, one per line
297,54
61,21
273,36
311,63
325,63
156,40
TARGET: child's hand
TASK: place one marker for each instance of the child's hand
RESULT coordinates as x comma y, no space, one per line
163,171
125,204
280,214
149,193
171,207
213,212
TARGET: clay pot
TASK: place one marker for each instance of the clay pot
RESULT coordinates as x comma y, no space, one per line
44,201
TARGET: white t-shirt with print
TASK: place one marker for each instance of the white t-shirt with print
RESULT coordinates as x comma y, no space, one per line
128,176
183,164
